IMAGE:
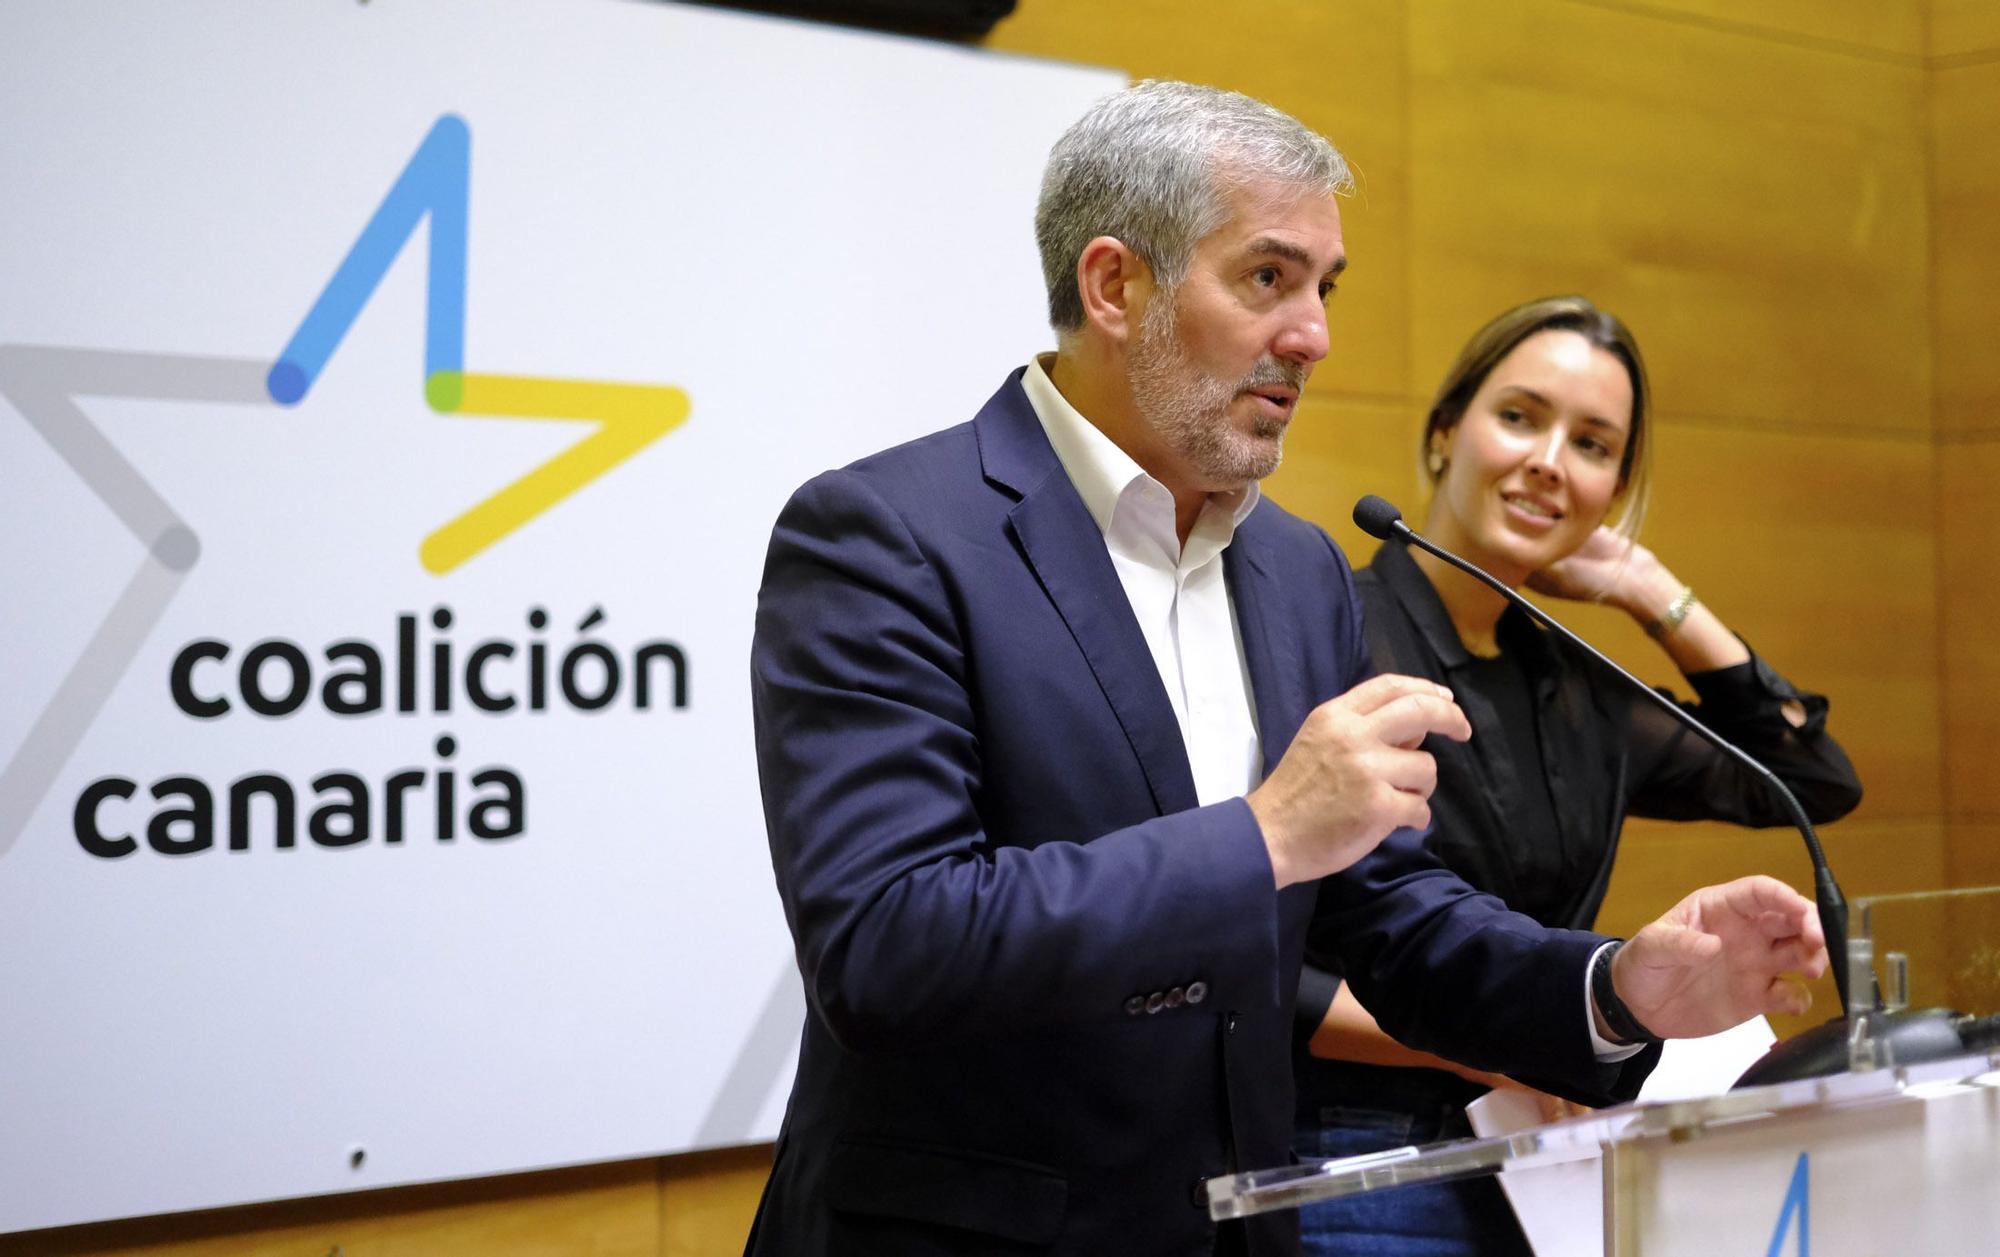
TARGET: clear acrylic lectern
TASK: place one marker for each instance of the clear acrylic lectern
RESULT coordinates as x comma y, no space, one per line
1891,1156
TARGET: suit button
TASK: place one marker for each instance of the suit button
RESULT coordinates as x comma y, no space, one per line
1155,1002
1198,1194
1176,997
1135,1005
1197,992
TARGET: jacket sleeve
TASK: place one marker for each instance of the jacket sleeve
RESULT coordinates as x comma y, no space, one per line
913,924
1446,969
1676,775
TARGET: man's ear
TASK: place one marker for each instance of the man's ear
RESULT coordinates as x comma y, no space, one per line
1114,283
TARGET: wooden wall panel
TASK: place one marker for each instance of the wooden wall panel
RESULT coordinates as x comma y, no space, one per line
1754,209
697,1205
595,1211
1338,68
1339,449
1965,183
1863,26
1961,28
708,1199
1965,192
1972,854
1968,524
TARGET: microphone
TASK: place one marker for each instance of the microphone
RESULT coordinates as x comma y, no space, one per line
1926,1035
1376,517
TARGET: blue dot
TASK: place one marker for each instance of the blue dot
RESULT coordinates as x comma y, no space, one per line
286,382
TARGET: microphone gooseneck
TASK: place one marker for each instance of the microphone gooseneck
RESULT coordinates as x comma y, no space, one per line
1378,518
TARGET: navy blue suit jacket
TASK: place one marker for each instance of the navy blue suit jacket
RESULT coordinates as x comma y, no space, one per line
1048,993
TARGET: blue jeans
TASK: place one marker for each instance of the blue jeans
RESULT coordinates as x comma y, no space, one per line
1468,1218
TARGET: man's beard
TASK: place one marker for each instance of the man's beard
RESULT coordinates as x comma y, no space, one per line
1189,408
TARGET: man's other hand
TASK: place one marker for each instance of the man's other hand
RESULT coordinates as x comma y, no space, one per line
1722,955
1353,774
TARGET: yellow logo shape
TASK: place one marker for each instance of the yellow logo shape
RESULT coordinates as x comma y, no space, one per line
629,417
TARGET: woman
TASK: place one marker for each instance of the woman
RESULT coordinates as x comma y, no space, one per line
1538,436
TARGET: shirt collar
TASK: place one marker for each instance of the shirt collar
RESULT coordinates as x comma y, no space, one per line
1398,571
1101,472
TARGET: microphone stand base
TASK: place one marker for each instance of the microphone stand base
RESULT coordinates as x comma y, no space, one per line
1907,1037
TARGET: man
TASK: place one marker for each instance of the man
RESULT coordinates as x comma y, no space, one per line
1061,726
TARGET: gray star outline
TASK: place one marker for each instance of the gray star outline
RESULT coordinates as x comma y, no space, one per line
43,383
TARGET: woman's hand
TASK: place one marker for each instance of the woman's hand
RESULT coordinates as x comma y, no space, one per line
1608,568
1605,568
1553,1108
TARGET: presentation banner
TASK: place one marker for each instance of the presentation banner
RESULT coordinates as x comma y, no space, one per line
395,399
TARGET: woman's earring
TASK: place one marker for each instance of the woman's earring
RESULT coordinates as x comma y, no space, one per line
1436,462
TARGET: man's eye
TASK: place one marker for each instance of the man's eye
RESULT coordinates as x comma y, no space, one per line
1267,276
1326,290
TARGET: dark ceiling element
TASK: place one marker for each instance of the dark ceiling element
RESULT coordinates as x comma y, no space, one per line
945,19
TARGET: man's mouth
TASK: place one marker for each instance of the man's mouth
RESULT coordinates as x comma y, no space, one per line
1277,382
1276,401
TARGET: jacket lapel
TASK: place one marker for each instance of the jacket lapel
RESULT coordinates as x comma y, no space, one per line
1064,548
1270,648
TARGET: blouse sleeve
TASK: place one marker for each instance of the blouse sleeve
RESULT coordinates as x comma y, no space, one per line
1676,775
1317,987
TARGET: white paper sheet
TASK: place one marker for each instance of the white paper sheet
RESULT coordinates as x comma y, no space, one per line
1561,1207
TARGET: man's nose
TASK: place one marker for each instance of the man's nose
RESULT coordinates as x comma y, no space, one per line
1304,338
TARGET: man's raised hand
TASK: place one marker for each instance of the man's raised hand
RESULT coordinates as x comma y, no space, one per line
1353,774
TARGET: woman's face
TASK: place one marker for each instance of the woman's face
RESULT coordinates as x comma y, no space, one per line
1533,464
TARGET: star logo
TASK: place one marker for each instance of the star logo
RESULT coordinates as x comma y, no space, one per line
629,417
43,384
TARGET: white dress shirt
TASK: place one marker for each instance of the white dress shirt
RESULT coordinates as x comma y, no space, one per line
1182,604
1177,592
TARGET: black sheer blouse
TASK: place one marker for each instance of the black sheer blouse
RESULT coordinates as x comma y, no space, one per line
1530,808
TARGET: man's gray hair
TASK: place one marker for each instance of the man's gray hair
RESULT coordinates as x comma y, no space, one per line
1153,166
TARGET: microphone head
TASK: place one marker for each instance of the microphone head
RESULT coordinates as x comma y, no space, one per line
1376,517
